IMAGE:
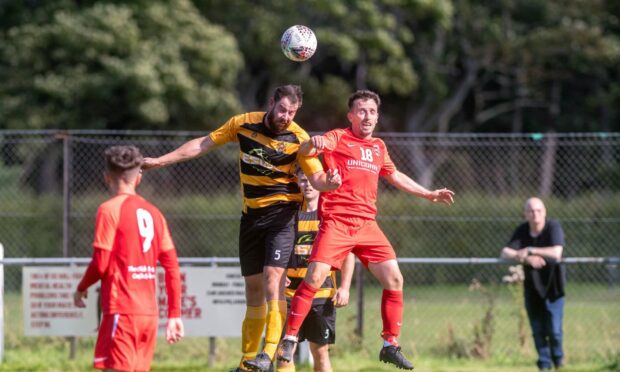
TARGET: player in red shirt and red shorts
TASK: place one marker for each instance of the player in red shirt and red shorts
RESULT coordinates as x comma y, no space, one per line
348,221
131,235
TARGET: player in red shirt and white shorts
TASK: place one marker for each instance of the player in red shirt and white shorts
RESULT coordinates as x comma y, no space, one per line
348,221
131,235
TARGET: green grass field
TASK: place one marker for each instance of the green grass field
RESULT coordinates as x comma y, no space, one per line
592,336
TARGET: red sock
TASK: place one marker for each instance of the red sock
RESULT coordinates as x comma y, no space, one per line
392,315
300,307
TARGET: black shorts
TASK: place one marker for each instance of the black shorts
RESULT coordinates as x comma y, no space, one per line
266,239
320,324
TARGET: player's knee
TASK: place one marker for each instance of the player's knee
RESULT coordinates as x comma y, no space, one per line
316,274
395,281
254,292
274,280
315,279
254,287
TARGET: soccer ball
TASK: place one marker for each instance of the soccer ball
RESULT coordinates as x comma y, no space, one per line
298,43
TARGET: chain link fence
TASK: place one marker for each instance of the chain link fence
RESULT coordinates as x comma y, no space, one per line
51,184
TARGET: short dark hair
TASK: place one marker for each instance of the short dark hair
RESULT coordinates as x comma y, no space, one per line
364,95
119,159
292,92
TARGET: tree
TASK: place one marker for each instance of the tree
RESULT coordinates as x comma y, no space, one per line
108,65
361,45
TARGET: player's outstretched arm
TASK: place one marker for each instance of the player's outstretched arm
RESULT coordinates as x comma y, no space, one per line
189,150
403,182
346,274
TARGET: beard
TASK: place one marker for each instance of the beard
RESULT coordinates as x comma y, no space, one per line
275,125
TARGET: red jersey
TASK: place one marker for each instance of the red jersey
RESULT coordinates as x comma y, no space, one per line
136,233
360,162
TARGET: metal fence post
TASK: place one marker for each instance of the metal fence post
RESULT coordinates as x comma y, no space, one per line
212,340
66,219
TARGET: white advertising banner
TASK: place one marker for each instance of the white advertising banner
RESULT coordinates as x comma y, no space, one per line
48,302
213,301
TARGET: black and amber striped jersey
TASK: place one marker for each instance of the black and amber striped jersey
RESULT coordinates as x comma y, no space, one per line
267,160
306,229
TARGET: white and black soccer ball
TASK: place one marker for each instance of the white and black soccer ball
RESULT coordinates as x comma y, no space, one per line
298,43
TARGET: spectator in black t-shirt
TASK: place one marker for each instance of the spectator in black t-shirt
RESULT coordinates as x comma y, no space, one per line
538,245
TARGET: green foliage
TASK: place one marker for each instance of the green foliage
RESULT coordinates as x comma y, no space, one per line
29,225
514,281
484,329
444,65
110,65
360,43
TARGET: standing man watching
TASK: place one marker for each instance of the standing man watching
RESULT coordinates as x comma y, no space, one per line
268,143
348,221
131,235
538,244
319,328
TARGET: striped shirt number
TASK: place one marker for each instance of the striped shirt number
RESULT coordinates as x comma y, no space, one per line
145,226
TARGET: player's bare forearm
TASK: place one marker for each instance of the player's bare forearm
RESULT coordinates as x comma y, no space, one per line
307,149
325,181
189,150
346,272
313,146
404,183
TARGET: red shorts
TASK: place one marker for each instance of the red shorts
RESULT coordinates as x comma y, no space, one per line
126,342
338,236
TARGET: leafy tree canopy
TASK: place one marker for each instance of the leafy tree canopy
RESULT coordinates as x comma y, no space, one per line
111,65
440,65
